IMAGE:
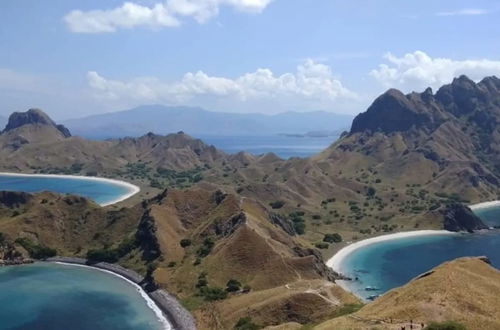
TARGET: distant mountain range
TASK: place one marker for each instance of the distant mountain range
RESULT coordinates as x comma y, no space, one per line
3,122
196,121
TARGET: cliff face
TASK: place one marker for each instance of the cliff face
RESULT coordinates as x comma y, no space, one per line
34,117
458,217
463,98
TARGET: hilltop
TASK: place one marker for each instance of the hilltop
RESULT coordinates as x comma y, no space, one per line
465,290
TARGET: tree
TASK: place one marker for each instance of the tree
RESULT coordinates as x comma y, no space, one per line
185,242
277,204
332,238
233,285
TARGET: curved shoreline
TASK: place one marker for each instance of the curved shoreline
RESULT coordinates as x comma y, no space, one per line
336,261
484,205
166,307
132,189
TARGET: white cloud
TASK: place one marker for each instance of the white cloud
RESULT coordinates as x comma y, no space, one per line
464,12
313,85
169,13
416,71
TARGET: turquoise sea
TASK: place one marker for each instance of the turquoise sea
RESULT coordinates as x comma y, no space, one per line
283,146
101,192
48,296
393,263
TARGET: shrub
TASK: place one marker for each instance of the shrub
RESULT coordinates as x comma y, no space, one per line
206,248
332,238
322,245
105,255
213,293
185,242
450,325
246,323
233,285
277,204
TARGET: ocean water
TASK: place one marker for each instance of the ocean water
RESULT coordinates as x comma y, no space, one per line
393,263
48,296
283,146
99,191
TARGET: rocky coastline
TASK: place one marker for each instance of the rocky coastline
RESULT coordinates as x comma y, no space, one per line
176,314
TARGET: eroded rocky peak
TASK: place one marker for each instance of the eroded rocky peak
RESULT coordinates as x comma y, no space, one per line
33,117
394,111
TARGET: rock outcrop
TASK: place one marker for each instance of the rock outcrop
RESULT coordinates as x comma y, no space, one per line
458,217
33,117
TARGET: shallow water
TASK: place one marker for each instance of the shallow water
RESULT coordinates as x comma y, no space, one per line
60,297
393,263
101,192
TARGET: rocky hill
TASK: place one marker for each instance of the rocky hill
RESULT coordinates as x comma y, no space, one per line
410,161
464,290
223,256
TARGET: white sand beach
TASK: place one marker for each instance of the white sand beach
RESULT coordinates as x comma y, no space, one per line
485,205
131,188
336,261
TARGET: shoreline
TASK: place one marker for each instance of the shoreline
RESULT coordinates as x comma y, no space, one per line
132,188
166,307
335,262
484,205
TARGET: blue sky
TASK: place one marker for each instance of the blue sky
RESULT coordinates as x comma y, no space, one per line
73,58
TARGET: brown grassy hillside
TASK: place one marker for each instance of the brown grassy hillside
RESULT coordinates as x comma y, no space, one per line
465,290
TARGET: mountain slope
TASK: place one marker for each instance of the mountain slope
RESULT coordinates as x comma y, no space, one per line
3,122
196,121
465,290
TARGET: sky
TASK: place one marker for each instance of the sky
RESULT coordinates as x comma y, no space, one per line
78,58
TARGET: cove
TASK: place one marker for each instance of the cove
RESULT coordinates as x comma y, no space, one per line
57,296
382,266
102,191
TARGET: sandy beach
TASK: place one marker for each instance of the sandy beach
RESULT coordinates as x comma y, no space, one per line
485,205
335,262
131,188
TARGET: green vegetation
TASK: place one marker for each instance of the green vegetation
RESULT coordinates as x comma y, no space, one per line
332,238
162,178
185,242
233,285
299,223
206,248
246,323
449,325
36,251
277,204
112,255
322,245
209,293
348,309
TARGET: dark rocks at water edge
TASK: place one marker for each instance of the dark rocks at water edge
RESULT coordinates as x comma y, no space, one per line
459,217
15,262
176,314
